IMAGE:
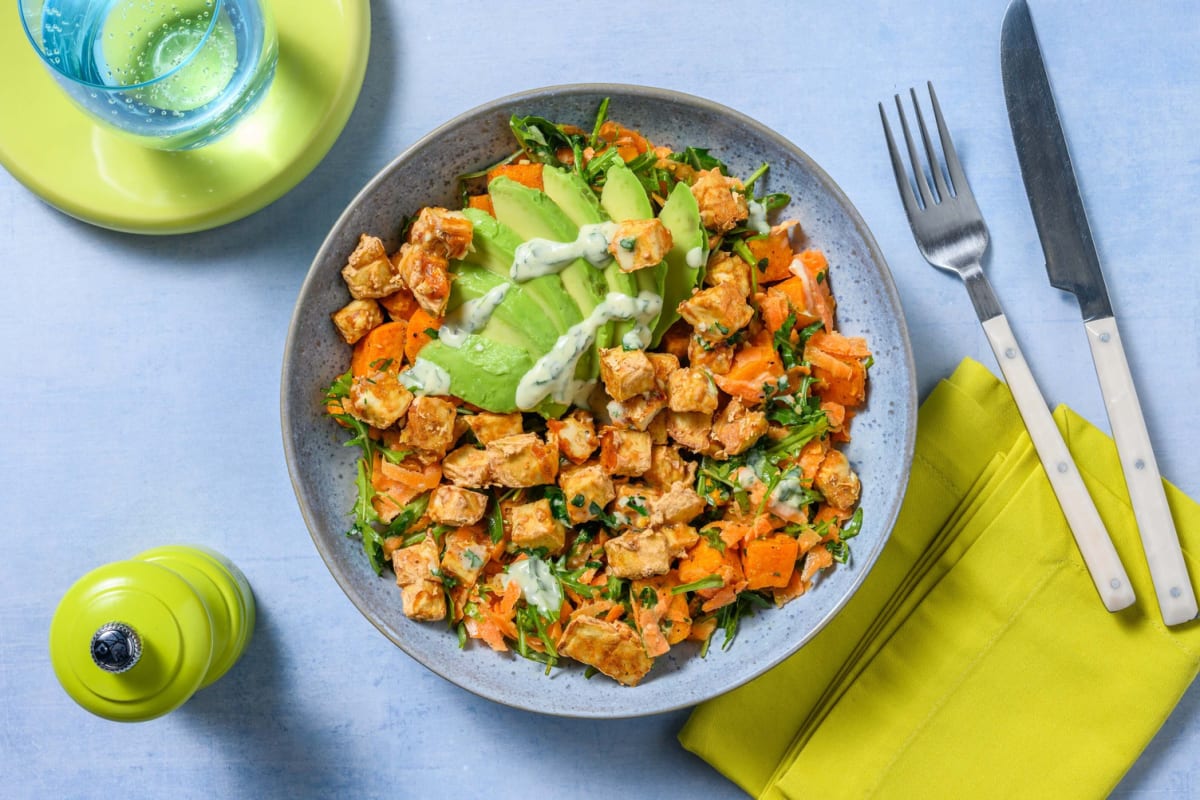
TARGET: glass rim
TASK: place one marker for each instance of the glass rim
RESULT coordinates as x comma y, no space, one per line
212,23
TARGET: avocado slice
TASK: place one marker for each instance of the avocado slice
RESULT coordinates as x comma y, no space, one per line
492,247
687,257
518,313
531,214
579,202
624,198
485,372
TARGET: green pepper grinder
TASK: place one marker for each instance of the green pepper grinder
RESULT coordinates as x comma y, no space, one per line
133,640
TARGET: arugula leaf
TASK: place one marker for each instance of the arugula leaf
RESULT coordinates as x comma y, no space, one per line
699,158
709,582
839,549
558,504
541,139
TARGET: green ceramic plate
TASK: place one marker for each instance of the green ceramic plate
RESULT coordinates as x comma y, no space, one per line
96,175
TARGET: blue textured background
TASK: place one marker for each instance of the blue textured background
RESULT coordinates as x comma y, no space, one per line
140,401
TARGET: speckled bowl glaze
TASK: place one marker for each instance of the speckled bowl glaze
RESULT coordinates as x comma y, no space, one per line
322,470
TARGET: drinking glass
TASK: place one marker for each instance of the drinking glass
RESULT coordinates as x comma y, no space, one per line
174,74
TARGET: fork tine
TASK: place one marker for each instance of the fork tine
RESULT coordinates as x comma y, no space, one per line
918,170
902,183
934,164
958,178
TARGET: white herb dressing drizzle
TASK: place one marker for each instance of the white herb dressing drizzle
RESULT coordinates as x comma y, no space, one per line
788,492
538,586
425,377
695,257
537,257
471,316
553,374
757,220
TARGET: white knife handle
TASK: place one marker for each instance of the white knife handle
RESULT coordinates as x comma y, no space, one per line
1176,598
1084,520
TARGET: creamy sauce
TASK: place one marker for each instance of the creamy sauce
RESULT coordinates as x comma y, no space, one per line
695,257
471,316
757,220
425,377
537,257
538,586
553,374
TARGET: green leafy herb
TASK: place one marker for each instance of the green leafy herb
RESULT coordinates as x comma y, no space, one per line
839,549
558,504
608,520
699,158
648,597
495,522
709,582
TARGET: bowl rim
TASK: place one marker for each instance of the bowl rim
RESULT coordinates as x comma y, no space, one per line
873,253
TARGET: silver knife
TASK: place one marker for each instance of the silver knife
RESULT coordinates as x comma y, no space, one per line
1073,266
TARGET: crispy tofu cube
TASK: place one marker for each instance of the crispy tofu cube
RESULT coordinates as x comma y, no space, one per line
583,487
690,429
399,305
442,231
714,357
427,275
667,467
416,570
357,318
534,525
455,506
737,427
658,429
640,243
726,267
625,373
679,504
692,389
489,427
637,412
718,312
522,460
368,272
638,554
632,504
467,466
624,452
430,426
837,482
722,204
379,399
680,538
576,434
614,648
468,549
664,365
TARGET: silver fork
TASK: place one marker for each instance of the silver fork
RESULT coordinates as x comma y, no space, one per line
953,237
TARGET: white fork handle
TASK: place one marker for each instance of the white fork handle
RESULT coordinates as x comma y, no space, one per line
1084,520
1176,598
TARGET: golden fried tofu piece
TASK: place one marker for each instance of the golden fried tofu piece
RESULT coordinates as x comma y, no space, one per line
534,525
368,272
356,319
736,428
638,554
664,365
658,429
679,504
614,648
690,429
836,481
439,230
430,426
624,452
722,204
489,427
522,460
632,504
576,434
378,399
715,357
639,411
640,243
726,267
467,550
455,506
680,537
420,587
467,466
625,373
716,313
583,487
426,274
692,389
668,467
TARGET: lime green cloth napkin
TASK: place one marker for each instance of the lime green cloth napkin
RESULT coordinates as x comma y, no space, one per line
976,660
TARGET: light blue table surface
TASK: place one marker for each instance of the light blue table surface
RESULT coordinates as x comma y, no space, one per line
141,375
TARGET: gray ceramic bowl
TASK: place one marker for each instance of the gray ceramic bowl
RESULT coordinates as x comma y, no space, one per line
322,469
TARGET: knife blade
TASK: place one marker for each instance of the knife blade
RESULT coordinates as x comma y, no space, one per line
1074,266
